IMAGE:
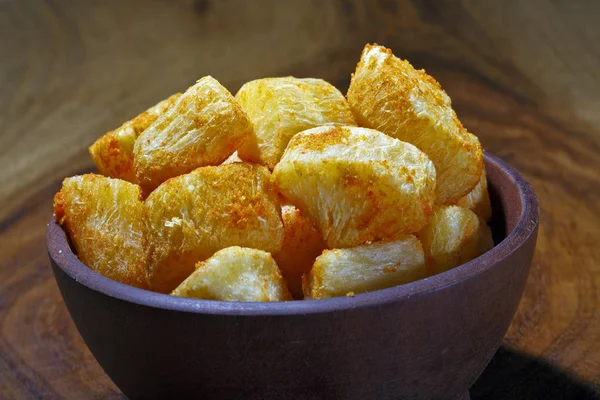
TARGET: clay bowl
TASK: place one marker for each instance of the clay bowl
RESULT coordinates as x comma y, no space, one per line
428,339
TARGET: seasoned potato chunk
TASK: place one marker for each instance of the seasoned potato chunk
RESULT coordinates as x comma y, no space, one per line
301,246
113,152
190,217
103,218
357,184
454,236
365,268
204,126
281,107
478,200
388,94
236,274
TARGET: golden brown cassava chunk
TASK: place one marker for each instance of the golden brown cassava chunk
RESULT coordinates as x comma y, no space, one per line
113,152
365,268
301,246
236,274
103,218
190,217
454,236
389,95
357,184
204,126
478,200
281,107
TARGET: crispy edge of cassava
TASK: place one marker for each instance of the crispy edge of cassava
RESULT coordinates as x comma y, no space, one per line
388,94
478,199
281,107
454,236
368,185
234,158
190,217
302,244
90,224
203,128
113,152
236,274
365,268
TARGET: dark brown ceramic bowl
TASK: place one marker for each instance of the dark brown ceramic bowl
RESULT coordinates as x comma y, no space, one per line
428,339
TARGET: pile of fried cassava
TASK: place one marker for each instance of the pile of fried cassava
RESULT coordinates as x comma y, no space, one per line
287,190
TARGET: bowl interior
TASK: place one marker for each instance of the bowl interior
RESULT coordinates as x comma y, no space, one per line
515,216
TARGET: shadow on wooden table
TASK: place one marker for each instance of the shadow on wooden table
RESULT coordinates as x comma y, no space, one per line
513,375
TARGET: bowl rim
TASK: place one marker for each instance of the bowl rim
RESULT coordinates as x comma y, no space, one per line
61,253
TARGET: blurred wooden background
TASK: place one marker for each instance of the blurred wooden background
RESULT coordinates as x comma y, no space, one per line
523,75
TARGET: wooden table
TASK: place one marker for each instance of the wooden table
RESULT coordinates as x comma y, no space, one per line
524,76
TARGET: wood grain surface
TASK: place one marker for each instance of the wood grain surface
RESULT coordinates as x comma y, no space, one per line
523,75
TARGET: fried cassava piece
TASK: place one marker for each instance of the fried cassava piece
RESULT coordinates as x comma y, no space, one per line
103,218
281,107
478,199
236,274
204,127
357,184
113,152
190,217
454,236
365,268
388,94
301,246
